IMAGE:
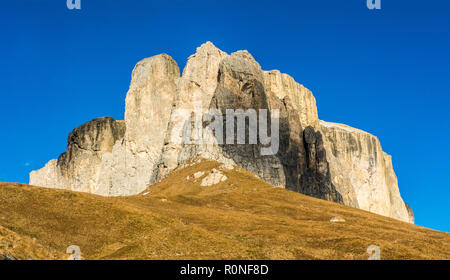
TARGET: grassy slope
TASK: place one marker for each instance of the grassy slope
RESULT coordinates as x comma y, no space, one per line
241,218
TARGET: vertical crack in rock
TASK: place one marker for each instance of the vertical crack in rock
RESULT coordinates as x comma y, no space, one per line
194,93
316,180
361,171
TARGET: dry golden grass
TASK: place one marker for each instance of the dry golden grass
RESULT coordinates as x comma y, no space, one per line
241,218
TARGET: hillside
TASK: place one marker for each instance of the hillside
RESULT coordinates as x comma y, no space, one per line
241,217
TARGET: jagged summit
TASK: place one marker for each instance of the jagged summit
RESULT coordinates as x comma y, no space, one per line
332,162
207,47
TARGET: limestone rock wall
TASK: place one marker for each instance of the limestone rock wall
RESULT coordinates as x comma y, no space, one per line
410,213
316,180
241,86
362,172
194,93
78,168
320,159
282,85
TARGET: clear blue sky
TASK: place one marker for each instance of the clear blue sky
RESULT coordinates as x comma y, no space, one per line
386,72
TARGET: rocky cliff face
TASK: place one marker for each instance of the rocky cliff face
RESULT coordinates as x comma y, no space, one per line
120,159
78,168
362,173
324,160
316,180
131,166
195,91
301,98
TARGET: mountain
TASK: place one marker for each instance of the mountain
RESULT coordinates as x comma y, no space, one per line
167,124
202,210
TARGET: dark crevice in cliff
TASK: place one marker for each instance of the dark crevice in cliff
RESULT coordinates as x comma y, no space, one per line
316,179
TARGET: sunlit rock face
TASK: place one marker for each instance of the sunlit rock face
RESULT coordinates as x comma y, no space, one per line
78,168
316,180
119,159
302,99
325,160
362,172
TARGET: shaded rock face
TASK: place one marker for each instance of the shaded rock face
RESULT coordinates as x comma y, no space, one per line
194,93
316,180
324,160
93,139
131,165
301,98
78,168
241,86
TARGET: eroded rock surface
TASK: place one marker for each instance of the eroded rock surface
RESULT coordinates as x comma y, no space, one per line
115,158
241,86
410,213
302,99
361,171
193,97
316,180
337,220
78,168
213,178
320,159
131,165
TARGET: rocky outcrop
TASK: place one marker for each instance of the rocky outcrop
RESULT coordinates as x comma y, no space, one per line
213,178
78,168
410,213
119,159
361,171
302,99
131,165
316,180
168,122
241,86
193,97
6,257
